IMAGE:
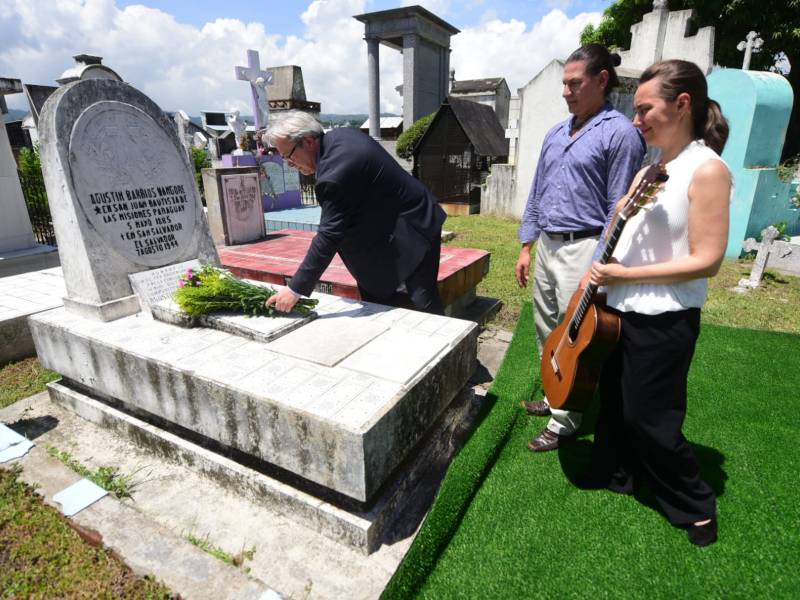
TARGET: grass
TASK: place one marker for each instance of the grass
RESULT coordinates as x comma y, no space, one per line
773,306
41,556
236,560
108,478
528,532
22,379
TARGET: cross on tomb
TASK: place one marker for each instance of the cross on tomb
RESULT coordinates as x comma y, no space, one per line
768,236
751,42
258,87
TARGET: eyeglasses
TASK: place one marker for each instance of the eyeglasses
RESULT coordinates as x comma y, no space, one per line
289,156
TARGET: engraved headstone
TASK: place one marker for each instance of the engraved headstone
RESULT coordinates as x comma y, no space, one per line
157,285
233,197
121,191
244,217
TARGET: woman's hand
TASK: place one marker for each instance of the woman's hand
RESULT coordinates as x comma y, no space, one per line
608,274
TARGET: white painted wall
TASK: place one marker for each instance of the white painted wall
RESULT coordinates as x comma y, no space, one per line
15,226
541,107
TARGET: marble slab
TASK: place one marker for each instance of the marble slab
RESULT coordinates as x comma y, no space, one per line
344,422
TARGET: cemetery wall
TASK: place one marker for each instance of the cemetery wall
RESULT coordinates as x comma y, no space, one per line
15,225
541,107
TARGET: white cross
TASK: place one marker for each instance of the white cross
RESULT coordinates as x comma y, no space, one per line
752,42
258,87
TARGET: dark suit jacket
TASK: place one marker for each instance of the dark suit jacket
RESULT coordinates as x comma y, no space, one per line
380,219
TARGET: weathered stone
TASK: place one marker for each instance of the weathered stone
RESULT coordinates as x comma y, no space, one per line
121,191
273,406
21,296
361,529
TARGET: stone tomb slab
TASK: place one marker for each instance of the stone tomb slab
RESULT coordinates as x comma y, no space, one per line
21,296
343,426
276,259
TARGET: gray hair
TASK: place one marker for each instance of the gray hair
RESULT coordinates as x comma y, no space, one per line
293,125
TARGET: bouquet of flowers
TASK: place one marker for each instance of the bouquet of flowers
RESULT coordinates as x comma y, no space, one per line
213,289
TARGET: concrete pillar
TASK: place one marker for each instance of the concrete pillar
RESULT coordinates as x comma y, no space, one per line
373,84
410,46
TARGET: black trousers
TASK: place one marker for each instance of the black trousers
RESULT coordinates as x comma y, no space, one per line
638,436
421,291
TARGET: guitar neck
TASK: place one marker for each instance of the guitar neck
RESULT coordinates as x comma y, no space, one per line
591,289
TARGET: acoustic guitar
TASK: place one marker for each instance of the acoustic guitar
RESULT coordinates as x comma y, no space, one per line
574,352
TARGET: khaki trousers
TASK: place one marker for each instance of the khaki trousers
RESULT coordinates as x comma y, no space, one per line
557,273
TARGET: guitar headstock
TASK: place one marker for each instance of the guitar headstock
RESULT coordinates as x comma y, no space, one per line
645,192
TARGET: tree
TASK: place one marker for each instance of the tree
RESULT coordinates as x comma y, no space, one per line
30,163
409,138
200,160
776,21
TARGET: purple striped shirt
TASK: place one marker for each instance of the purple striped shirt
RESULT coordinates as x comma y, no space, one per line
579,180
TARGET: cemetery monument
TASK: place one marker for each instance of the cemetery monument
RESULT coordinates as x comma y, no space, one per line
424,40
331,412
19,251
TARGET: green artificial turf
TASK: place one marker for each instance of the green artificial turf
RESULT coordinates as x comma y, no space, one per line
529,533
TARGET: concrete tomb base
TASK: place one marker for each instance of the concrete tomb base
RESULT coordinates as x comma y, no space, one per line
362,529
21,296
15,262
336,404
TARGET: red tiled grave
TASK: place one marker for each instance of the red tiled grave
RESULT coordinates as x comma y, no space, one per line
275,260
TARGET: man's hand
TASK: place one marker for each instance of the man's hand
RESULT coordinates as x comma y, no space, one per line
284,300
524,265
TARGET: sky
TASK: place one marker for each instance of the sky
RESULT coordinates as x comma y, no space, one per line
182,53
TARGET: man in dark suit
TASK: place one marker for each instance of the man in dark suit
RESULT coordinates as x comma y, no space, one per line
384,223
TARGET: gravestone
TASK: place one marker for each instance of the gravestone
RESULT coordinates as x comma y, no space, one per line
121,192
662,35
182,122
757,105
751,43
259,81
233,198
763,250
324,412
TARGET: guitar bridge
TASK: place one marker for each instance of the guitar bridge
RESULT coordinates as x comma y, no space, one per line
554,363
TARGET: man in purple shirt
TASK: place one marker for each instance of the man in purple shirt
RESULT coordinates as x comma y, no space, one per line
586,165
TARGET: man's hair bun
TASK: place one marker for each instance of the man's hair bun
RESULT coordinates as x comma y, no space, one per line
616,59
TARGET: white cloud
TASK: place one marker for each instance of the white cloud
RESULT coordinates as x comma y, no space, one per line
512,50
186,67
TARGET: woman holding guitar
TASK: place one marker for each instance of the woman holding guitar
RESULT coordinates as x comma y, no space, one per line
657,282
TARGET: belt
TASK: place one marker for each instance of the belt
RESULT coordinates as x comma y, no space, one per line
571,236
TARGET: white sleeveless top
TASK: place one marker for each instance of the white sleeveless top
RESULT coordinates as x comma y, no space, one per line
659,233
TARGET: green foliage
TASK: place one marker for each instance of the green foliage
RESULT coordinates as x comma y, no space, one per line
621,546
776,21
464,478
200,160
409,138
107,478
41,556
789,168
30,163
22,379
214,289
237,560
